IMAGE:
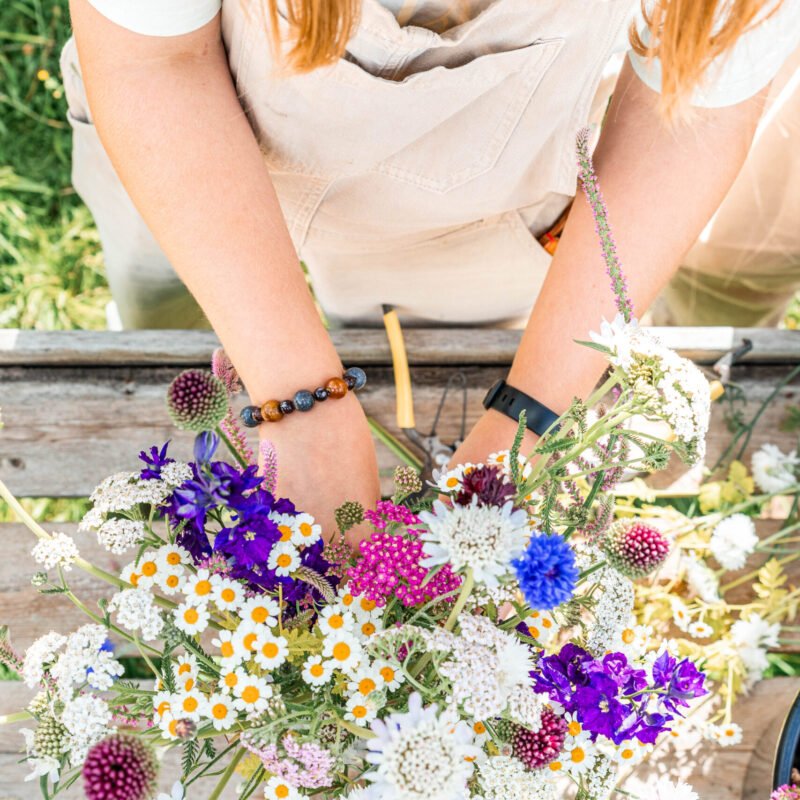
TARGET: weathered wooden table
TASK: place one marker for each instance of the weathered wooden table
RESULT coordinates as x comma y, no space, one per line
78,406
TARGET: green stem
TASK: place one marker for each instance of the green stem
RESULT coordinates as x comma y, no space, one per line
361,733
18,716
233,451
226,776
394,445
466,590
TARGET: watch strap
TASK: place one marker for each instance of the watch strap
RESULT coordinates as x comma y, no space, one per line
512,402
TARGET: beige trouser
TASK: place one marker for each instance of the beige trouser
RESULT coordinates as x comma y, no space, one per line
742,272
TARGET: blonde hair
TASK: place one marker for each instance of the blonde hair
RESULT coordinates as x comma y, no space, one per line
685,35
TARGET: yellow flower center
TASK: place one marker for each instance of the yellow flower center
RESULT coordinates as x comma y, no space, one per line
305,529
387,673
149,568
191,616
286,532
317,670
173,559
228,595
231,679
219,711
281,791
574,728
172,581
367,629
202,587
479,728
341,651
251,694
627,753
577,755
270,650
366,686
284,559
249,641
628,636
190,704
336,621
259,614
226,649
359,712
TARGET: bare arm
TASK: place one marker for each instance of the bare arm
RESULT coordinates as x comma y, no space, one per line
167,113
661,186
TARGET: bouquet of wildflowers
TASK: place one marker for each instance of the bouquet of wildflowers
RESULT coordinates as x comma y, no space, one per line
475,646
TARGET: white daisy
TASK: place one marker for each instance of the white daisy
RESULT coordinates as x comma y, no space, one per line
230,678
541,626
361,710
725,735
232,651
316,672
162,704
484,539
170,582
284,559
365,608
252,694
186,664
367,626
579,754
391,674
700,630
261,610
130,574
191,619
365,681
277,788
149,568
306,531
198,588
271,651
227,594
665,789
189,705
173,556
631,753
343,650
246,636
221,711
333,620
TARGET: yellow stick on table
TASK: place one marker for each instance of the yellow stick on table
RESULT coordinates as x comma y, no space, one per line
402,376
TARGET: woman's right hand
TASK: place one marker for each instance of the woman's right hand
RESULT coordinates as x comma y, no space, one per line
326,457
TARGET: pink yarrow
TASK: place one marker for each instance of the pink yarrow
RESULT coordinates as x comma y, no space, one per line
307,765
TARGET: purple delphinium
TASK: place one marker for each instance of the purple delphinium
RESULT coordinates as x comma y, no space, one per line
614,699
154,462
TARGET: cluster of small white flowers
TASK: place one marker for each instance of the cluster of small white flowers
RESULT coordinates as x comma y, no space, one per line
88,720
175,473
525,707
40,655
120,535
487,665
724,735
421,755
124,490
674,387
633,640
58,551
82,661
601,780
503,777
774,470
137,611
484,539
612,611
733,539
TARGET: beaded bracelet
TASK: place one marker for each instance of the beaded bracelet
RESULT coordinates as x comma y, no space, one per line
353,379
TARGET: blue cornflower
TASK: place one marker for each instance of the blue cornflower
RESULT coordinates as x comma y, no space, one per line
546,572
155,460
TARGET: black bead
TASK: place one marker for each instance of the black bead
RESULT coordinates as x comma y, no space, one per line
304,400
251,416
321,394
286,407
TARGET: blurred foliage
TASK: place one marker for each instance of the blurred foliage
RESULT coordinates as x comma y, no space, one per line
51,273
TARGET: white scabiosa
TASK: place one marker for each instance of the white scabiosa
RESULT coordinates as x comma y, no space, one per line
774,470
484,539
421,755
733,539
665,789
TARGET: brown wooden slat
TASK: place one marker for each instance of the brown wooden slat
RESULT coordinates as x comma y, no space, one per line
426,346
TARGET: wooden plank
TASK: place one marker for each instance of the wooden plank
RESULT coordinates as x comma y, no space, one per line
67,428
365,346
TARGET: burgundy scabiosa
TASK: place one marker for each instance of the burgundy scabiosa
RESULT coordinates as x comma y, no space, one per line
197,400
390,567
635,549
488,484
536,749
120,767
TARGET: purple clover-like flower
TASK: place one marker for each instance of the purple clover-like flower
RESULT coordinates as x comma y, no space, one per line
120,767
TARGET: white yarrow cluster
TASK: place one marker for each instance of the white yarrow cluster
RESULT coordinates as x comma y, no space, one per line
733,539
774,470
504,777
82,661
39,656
421,755
124,490
665,789
612,612
120,535
486,668
137,611
88,720
58,551
673,386
753,637
485,539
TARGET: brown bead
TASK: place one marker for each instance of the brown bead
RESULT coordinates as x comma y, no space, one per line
336,387
271,411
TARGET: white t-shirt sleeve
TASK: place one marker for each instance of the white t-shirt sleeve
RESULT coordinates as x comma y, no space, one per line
746,69
159,17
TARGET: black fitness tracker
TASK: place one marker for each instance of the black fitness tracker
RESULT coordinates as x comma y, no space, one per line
510,401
